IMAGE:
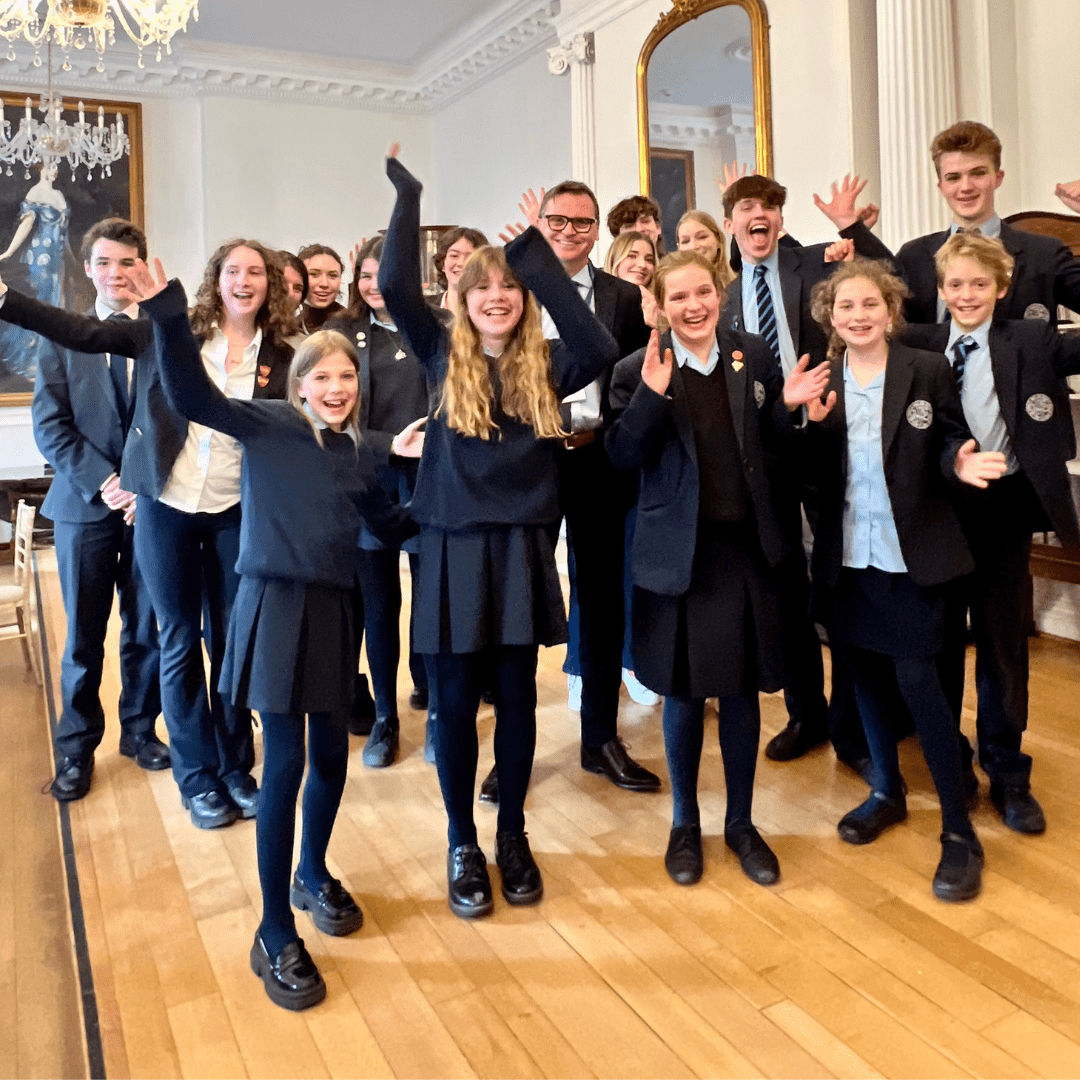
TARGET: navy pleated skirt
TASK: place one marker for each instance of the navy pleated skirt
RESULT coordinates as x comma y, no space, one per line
290,647
484,587
722,637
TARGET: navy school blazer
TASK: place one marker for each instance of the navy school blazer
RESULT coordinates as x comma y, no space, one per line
922,429
654,433
1030,359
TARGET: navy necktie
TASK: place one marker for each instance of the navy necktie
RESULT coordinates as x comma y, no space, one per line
963,349
766,313
118,368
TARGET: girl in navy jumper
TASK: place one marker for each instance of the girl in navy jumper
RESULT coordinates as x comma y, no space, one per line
488,592
393,392
307,480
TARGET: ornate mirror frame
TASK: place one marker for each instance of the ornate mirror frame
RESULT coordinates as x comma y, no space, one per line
686,11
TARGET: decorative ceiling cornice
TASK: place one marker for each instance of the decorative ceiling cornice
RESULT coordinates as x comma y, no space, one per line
478,53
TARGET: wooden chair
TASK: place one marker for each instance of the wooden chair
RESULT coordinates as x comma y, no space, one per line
19,616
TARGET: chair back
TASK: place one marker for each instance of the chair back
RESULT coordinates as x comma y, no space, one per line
24,543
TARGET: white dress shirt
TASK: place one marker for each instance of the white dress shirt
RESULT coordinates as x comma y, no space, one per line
584,403
206,476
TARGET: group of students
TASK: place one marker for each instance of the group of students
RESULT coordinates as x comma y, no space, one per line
464,431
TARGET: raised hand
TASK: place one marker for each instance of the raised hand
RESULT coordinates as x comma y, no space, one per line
842,250
141,284
530,207
656,373
649,307
1069,194
511,230
978,468
355,254
734,171
805,384
840,209
409,441
395,149
869,214
817,410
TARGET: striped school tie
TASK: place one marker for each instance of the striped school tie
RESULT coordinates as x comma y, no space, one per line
963,348
766,313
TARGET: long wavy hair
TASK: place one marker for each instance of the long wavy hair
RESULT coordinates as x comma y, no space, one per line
309,352
276,318
358,306
878,272
524,368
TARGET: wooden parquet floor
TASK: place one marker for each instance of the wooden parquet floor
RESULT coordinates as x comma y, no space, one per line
848,968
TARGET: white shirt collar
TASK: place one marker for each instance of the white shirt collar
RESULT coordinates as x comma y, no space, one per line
980,335
103,312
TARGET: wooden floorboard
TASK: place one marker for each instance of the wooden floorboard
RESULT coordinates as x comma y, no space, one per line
849,967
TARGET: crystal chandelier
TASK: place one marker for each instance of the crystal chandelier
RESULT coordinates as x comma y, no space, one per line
81,23
94,146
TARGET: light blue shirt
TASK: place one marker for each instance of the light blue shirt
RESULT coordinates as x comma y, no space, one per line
978,395
870,537
685,358
585,412
991,229
788,357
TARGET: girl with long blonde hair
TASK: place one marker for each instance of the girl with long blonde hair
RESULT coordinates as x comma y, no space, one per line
488,593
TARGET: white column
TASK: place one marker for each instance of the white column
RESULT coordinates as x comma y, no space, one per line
577,55
916,100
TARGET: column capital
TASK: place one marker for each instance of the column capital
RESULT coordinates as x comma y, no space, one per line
578,49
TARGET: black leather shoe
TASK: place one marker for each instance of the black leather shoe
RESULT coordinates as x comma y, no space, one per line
72,779
870,819
244,793
489,789
959,874
685,859
612,760
332,909
1019,809
291,978
758,862
794,741
381,749
362,715
148,750
429,739
469,890
418,699
210,810
521,880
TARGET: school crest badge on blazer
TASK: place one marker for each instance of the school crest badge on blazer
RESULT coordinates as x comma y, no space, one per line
1039,407
920,414
759,393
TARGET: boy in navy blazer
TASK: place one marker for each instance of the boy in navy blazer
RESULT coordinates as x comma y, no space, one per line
771,297
81,412
967,158
1010,378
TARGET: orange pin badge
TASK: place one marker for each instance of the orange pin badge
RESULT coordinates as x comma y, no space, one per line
264,370
262,380
736,360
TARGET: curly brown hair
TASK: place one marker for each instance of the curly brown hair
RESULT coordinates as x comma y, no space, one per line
878,272
276,318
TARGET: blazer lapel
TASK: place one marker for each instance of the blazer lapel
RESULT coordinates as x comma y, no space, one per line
791,286
1016,250
679,412
1006,376
604,300
898,377
732,314
738,396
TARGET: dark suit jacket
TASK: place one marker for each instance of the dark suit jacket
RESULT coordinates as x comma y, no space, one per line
1046,273
919,459
1029,359
157,430
79,431
654,433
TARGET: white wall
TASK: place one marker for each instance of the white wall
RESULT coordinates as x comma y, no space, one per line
510,134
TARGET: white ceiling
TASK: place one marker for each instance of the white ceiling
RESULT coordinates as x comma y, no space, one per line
397,32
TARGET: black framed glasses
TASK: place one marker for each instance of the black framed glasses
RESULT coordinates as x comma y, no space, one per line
558,222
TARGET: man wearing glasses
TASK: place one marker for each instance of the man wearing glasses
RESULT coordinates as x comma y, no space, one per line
594,496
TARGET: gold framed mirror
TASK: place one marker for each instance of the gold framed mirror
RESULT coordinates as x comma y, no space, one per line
703,96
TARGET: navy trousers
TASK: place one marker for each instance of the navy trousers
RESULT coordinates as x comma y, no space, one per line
94,559
189,564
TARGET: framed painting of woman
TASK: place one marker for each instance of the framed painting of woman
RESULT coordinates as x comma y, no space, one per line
44,211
